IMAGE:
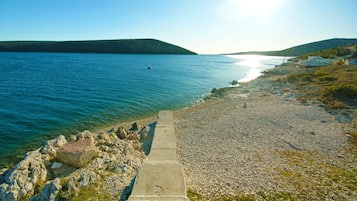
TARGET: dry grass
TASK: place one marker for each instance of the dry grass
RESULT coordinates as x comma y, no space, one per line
315,177
334,85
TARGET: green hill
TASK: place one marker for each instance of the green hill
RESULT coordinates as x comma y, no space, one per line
306,48
124,46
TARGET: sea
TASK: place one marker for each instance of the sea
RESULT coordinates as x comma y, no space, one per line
43,95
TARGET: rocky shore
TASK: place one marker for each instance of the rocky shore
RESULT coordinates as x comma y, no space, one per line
89,166
251,142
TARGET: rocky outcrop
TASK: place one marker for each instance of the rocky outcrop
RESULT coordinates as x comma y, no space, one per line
51,146
77,153
24,177
49,192
64,168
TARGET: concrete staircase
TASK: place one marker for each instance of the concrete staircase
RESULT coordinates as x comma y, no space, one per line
161,177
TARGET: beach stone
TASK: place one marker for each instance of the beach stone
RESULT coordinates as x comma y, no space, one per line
77,153
121,133
49,192
51,146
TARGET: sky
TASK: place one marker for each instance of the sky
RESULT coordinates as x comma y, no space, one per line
202,26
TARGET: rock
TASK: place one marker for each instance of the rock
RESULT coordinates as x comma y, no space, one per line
21,180
134,136
137,146
49,192
128,149
2,175
73,138
86,135
110,130
77,153
86,178
8,194
144,132
344,117
135,126
51,146
121,133
70,188
56,165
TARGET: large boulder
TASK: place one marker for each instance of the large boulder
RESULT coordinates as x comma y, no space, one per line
77,153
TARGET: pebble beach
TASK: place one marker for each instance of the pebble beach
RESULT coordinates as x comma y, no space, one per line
258,141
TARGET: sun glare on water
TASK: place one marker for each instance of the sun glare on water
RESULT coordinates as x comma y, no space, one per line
253,62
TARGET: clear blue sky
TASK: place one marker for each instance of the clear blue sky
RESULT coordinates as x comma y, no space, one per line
203,26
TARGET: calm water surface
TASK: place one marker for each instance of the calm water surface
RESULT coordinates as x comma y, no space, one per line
43,95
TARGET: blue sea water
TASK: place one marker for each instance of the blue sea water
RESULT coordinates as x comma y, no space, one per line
43,95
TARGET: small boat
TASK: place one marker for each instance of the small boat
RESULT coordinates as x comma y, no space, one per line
149,67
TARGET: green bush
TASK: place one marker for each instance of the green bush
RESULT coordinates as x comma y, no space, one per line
342,91
327,78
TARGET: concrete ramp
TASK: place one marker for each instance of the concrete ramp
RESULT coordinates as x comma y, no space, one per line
161,176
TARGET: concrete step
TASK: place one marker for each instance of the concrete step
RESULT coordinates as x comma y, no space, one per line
161,177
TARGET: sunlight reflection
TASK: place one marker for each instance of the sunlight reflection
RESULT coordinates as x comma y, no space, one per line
252,61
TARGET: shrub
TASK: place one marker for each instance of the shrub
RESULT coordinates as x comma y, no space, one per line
341,91
327,78
307,77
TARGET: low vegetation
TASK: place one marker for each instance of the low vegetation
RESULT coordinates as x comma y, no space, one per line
329,53
195,196
334,85
314,176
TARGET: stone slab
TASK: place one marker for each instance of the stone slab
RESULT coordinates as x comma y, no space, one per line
164,138
162,154
165,117
159,180
161,177
77,153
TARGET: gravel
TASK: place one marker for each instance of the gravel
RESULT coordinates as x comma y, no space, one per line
241,144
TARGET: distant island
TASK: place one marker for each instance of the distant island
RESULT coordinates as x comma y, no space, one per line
123,46
305,48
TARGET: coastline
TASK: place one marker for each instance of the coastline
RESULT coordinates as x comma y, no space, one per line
254,140
258,142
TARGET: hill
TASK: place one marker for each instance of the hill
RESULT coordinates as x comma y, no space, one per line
124,46
306,48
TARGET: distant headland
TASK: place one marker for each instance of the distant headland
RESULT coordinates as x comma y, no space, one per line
305,48
122,46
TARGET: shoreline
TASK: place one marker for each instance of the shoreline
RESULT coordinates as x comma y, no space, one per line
260,142
254,140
